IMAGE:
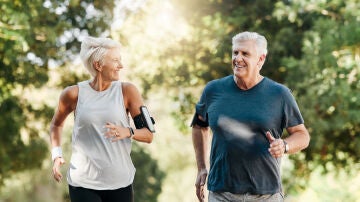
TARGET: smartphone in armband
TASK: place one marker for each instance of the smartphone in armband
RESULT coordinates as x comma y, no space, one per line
148,119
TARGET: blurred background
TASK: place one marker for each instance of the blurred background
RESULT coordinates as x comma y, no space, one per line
171,49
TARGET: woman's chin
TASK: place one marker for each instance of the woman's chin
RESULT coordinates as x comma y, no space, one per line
116,78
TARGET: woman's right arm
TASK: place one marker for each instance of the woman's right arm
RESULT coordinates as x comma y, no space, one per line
67,104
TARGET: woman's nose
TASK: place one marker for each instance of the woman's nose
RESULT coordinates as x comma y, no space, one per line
119,65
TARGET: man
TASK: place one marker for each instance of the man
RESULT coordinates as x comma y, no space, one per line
247,113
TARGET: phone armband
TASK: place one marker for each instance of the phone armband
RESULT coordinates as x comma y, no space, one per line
144,120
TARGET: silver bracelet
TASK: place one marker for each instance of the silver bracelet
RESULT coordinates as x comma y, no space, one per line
131,132
56,152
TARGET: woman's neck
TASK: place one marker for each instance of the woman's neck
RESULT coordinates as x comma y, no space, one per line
99,84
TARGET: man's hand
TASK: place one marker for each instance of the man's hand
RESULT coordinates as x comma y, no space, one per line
277,147
56,168
200,183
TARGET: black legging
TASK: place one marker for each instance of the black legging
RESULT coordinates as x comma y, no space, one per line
80,194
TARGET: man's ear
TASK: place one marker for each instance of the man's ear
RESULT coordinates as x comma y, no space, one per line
261,60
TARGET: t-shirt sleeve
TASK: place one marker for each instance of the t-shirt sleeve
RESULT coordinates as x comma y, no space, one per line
201,106
292,112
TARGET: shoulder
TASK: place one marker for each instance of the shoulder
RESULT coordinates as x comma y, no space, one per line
279,90
128,87
276,87
130,92
219,84
132,97
70,93
69,97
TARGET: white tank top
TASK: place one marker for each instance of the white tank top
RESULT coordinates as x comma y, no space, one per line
96,162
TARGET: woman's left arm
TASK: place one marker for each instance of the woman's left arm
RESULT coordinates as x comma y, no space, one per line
133,101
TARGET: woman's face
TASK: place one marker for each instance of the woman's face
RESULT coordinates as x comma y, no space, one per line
246,62
111,65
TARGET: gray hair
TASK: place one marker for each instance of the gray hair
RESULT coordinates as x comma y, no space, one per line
94,49
261,42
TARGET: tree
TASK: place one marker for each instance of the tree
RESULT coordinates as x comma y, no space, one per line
326,80
313,49
32,37
147,182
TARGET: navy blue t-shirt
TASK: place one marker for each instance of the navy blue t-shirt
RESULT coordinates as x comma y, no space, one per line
239,159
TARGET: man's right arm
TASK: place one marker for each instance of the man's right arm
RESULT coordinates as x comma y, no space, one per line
200,136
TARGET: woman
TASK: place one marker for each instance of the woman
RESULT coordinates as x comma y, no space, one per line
100,167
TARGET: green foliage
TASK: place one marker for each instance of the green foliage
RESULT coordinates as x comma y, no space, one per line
326,81
313,49
15,154
206,55
31,35
148,178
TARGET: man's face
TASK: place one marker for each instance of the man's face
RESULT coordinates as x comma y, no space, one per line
246,62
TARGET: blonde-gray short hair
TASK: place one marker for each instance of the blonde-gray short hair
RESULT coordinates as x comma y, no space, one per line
261,42
93,49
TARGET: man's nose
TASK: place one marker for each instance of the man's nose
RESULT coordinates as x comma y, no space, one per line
238,57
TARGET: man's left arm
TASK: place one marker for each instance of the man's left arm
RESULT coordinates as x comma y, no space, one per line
298,138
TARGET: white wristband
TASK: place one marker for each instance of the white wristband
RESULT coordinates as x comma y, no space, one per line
56,152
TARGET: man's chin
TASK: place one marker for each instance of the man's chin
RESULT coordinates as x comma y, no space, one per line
238,71
240,75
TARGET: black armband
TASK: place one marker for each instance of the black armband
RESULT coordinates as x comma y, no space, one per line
197,121
144,120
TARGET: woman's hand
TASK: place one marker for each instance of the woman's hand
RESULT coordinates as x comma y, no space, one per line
116,133
58,162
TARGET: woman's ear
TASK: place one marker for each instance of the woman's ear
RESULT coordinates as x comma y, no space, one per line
97,66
